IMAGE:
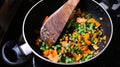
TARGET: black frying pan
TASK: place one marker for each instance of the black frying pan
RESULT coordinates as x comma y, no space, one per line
34,17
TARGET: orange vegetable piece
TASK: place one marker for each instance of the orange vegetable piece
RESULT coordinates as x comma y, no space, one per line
77,57
104,37
72,46
45,19
95,22
62,50
87,36
86,50
79,38
94,35
95,47
51,55
96,39
87,42
37,42
81,20
79,46
100,32
63,43
66,38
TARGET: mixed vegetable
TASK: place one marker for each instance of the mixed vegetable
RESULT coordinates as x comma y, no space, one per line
79,41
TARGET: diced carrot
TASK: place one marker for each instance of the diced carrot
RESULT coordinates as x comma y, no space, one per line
74,54
87,42
62,50
77,57
104,37
72,46
63,43
81,20
86,50
79,46
95,22
84,47
79,38
45,19
37,42
95,47
51,55
46,53
100,32
96,39
66,38
94,35
87,36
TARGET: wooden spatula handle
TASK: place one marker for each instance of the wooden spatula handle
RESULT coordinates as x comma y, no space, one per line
67,8
53,27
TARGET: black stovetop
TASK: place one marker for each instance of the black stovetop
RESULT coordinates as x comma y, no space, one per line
110,58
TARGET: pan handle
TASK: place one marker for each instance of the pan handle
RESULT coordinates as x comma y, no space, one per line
26,49
110,3
14,54
107,4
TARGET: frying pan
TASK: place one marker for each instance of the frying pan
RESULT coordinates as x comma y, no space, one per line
35,16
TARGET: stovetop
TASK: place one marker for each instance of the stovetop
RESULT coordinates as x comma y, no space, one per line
11,29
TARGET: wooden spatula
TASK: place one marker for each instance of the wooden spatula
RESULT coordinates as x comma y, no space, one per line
53,26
